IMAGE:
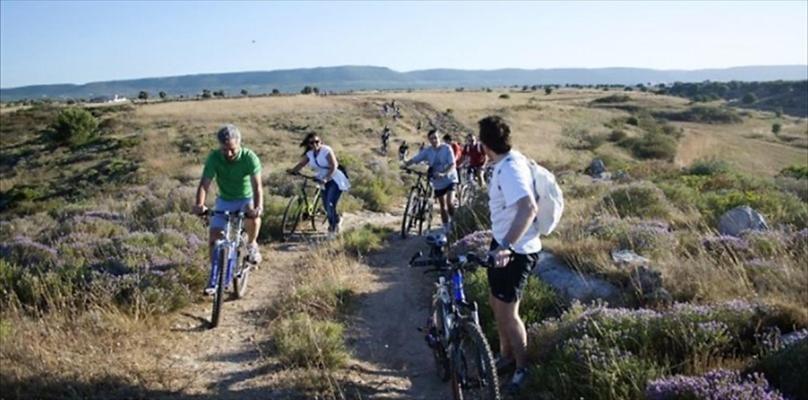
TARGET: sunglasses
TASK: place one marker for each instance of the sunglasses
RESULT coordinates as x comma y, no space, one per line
313,142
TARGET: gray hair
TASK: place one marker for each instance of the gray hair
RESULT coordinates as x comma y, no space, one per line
228,132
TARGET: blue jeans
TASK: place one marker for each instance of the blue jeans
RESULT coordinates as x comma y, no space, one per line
331,196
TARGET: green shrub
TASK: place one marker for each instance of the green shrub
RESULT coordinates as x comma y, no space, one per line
708,166
378,194
640,200
74,126
272,220
582,139
617,135
365,239
795,171
776,127
504,96
651,146
703,114
304,342
784,369
473,217
615,98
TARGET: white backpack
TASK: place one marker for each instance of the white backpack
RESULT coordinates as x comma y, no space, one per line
548,198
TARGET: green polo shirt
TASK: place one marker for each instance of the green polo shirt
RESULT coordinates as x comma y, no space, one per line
232,177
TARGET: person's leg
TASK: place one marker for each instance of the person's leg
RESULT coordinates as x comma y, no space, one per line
442,203
505,349
449,199
512,329
330,196
252,226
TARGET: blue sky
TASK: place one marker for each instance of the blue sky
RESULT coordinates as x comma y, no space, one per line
80,42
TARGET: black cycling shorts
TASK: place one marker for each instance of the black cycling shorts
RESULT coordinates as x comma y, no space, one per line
508,283
447,189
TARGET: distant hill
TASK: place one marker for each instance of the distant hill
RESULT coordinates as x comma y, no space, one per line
365,77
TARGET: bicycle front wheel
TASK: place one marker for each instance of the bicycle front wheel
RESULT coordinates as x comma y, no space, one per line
411,211
218,297
242,273
473,373
291,217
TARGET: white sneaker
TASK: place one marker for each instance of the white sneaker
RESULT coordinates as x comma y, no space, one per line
209,291
254,254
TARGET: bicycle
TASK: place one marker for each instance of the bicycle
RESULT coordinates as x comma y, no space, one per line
418,210
228,263
459,347
468,187
301,208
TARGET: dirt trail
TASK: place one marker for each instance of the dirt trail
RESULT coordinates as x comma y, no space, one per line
228,362
392,359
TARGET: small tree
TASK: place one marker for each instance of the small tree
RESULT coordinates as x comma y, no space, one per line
749,98
548,90
162,95
206,94
74,126
276,91
316,90
218,93
776,127
306,90
244,92
143,95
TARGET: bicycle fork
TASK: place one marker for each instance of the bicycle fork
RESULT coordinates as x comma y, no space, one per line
230,262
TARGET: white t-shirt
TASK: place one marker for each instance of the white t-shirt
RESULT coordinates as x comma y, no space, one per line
511,182
320,164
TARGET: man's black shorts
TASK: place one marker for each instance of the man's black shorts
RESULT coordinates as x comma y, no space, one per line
507,283
447,189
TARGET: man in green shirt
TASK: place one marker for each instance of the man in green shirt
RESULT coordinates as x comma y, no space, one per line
237,171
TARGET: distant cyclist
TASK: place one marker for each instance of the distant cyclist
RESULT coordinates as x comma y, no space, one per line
237,171
457,150
323,160
403,149
443,174
385,139
474,159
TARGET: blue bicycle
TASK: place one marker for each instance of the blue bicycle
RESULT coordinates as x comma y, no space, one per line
229,263
453,331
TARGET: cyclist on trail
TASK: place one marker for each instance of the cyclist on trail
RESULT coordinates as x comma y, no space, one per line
442,174
237,171
474,158
322,159
385,138
403,149
457,150
516,243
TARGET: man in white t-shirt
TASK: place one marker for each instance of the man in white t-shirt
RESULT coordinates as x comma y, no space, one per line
516,242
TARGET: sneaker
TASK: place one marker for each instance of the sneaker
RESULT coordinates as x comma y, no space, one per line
209,291
338,228
503,364
254,254
517,381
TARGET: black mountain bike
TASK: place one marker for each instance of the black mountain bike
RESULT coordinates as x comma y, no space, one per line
419,205
305,207
229,262
461,352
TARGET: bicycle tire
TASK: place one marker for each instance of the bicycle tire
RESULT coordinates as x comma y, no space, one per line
242,275
218,297
439,354
291,218
485,378
426,216
410,212
319,211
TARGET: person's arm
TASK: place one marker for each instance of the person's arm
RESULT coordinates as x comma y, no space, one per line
332,166
447,157
302,163
201,195
258,196
418,158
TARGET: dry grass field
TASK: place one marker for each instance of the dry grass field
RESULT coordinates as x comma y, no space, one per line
100,261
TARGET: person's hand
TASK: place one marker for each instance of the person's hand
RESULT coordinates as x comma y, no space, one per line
501,257
199,210
319,181
254,212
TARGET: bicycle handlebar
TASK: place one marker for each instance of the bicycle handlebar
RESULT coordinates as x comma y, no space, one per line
447,263
304,176
413,171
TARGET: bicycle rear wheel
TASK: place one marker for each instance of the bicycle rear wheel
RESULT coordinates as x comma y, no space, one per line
473,373
291,217
411,211
218,297
425,215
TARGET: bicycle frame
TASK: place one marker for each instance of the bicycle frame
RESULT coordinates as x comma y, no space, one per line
229,244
